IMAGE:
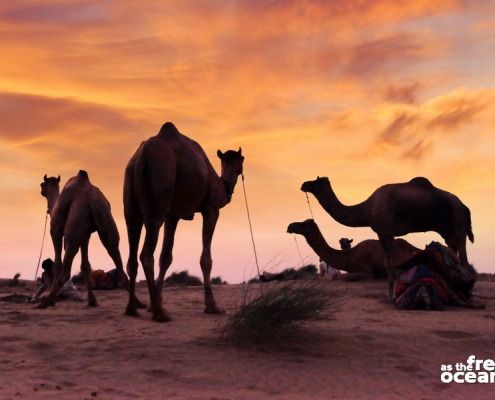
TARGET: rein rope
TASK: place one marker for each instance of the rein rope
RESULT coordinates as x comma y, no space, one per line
309,205
295,238
39,259
299,251
250,226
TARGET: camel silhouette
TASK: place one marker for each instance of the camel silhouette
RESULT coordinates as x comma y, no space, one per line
76,213
366,260
398,209
170,178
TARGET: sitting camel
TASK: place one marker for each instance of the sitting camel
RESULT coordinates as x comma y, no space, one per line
170,178
366,260
76,213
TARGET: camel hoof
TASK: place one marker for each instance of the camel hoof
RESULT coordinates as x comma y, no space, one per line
140,304
92,303
42,306
131,312
45,303
161,317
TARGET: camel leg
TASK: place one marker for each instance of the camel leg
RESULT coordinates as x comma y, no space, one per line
61,275
134,234
86,270
57,239
463,255
458,246
210,219
166,254
110,239
147,259
388,247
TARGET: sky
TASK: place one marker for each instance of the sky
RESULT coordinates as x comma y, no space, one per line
365,92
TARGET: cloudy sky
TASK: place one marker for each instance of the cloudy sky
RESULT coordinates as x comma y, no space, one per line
364,92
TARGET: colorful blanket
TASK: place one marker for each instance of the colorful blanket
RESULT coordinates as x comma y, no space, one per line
432,280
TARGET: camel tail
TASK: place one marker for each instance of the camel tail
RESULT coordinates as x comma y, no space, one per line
104,222
469,232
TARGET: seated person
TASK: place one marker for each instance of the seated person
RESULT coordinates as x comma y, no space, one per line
67,292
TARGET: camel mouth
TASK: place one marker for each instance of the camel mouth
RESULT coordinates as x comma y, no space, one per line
305,187
292,228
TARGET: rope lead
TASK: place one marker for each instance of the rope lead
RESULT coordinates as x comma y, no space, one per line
250,226
39,259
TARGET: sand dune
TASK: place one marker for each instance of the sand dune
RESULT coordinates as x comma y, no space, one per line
369,350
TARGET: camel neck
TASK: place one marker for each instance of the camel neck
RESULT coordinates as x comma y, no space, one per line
336,258
229,186
355,215
51,200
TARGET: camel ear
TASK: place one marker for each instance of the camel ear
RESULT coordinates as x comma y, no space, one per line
219,154
58,179
350,241
45,178
239,151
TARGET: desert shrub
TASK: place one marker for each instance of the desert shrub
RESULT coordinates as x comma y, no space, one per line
183,278
217,281
279,311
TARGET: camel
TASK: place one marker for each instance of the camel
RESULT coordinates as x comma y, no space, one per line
345,243
398,209
366,260
76,213
170,178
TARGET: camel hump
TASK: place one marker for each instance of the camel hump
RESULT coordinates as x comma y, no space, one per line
168,129
421,181
83,175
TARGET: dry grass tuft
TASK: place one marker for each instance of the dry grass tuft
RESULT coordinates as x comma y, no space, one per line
279,311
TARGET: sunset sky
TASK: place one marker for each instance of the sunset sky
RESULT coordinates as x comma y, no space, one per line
366,92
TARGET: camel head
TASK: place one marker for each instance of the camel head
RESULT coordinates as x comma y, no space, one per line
50,189
315,186
231,168
345,244
302,228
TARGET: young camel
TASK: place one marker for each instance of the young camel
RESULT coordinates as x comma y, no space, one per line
398,209
76,213
366,260
170,178
345,243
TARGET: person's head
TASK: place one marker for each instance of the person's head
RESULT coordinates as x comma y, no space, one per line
47,266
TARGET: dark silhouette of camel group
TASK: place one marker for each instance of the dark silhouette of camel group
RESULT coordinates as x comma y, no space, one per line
170,178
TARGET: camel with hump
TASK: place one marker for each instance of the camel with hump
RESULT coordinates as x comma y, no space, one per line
366,260
75,213
398,209
170,178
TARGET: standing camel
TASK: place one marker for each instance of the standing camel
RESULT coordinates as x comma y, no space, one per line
169,178
76,213
401,208
366,260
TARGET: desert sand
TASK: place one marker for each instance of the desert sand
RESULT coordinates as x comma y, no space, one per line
367,350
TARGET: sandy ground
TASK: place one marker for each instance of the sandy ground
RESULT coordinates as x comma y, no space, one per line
368,350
